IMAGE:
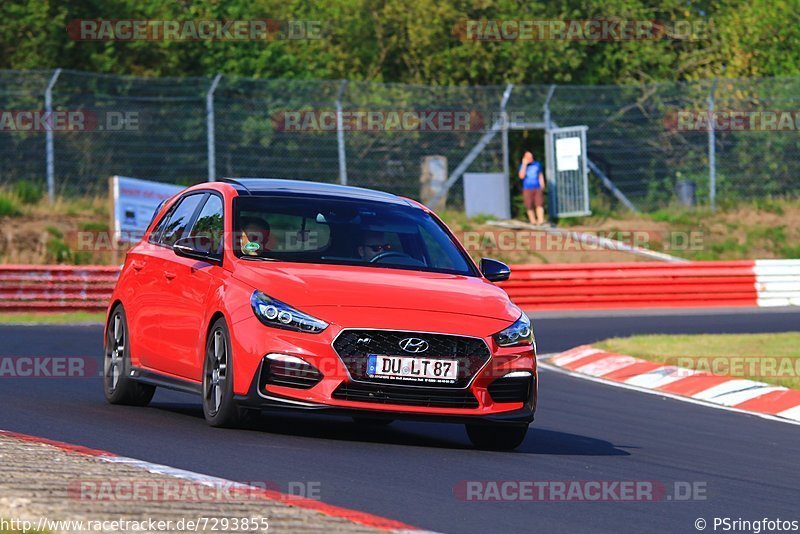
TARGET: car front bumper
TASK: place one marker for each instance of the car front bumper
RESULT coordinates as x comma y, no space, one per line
325,396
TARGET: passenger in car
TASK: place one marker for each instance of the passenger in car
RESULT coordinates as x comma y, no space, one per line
255,236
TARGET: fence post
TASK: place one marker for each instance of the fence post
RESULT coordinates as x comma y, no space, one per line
49,156
212,153
340,134
505,119
712,150
476,150
549,171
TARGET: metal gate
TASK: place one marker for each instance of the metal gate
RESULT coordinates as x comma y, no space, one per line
568,171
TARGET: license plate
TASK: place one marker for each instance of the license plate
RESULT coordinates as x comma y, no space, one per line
412,369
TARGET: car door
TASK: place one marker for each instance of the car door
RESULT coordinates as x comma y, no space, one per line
156,296
143,299
188,283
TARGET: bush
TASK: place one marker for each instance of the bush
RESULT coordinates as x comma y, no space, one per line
28,192
769,205
94,226
55,232
8,207
58,251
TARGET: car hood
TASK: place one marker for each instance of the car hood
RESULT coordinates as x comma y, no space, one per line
314,285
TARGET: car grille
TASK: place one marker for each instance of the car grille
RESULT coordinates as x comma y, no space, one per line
354,346
511,389
407,396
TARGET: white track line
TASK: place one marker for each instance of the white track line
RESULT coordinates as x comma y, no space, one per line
681,398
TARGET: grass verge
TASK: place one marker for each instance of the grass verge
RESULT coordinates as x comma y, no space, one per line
52,318
770,358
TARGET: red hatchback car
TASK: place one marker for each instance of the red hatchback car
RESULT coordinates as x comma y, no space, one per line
261,294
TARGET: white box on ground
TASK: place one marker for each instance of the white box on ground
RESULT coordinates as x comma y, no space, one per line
135,201
487,193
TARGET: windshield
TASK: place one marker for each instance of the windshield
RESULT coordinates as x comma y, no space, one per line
343,231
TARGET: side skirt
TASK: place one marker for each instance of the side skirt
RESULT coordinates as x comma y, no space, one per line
155,379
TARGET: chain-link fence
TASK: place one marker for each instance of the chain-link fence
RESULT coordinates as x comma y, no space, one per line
645,139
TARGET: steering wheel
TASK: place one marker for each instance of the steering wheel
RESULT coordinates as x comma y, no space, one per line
393,253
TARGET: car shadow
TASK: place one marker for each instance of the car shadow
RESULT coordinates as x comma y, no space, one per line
407,433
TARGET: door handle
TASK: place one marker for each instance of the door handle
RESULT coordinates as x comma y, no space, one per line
169,276
137,265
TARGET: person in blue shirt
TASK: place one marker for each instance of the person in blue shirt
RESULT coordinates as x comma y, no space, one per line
533,184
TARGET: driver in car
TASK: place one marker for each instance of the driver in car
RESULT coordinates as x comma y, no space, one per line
374,243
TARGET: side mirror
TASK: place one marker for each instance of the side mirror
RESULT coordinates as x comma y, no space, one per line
196,248
495,271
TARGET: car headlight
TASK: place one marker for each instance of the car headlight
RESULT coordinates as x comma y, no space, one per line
518,334
275,313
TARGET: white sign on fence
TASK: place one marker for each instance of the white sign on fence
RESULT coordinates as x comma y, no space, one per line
568,150
135,201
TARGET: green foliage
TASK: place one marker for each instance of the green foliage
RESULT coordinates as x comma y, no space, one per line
8,206
414,42
678,216
54,232
769,205
771,238
94,226
58,251
790,252
419,42
482,218
28,192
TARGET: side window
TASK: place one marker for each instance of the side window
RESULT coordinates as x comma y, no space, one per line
178,223
156,233
207,230
439,256
260,232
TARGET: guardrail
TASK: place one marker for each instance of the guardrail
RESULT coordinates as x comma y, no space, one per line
633,285
778,282
31,288
532,287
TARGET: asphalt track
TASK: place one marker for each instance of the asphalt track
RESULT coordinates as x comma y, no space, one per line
408,471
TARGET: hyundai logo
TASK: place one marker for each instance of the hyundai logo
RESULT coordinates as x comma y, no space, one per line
414,344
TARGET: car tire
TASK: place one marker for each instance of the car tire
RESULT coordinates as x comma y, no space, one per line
219,407
118,386
497,437
372,421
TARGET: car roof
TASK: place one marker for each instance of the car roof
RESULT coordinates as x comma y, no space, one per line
265,186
